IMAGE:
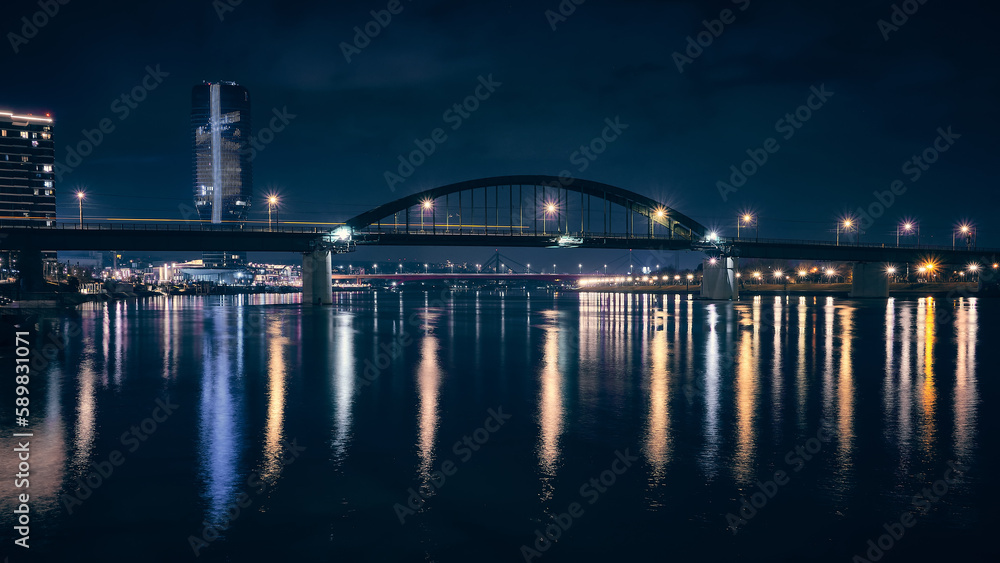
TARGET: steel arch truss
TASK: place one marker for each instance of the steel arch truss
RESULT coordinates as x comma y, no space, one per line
551,207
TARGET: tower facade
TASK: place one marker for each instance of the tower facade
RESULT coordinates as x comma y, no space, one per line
27,180
221,132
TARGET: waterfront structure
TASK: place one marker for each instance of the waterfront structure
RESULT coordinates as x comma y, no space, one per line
221,130
27,181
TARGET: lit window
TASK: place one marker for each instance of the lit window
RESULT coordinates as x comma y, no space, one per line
46,167
46,136
24,159
3,132
24,134
48,183
34,143
48,192
36,191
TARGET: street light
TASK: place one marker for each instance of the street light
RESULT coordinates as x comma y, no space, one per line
549,210
967,230
425,268
689,278
79,197
425,206
606,269
747,219
581,268
847,225
908,227
272,200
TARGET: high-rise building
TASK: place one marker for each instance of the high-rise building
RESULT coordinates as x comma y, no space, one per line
221,132
27,181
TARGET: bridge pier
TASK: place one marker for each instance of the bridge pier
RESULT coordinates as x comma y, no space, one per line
317,278
869,280
719,279
29,264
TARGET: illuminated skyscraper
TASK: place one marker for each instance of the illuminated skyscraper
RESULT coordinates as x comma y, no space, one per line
27,180
223,174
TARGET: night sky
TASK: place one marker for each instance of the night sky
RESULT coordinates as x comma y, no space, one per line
605,60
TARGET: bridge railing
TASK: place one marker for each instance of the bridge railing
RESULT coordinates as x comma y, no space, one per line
803,242
169,227
504,231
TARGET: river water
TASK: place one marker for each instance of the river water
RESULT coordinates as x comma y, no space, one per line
466,427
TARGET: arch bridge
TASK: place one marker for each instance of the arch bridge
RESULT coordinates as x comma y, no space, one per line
532,211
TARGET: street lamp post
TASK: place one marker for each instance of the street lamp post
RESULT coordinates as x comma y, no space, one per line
426,205
967,231
271,202
549,209
848,223
748,219
907,226
79,197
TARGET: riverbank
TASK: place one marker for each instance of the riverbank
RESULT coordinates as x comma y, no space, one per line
835,289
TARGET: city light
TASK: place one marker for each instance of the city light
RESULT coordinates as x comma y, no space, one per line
427,204
973,267
890,270
661,212
803,273
79,197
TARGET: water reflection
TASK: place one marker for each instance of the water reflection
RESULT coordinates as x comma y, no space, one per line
966,397
550,405
658,441
709,455
276,375
340,355
747,382
220,418
428,389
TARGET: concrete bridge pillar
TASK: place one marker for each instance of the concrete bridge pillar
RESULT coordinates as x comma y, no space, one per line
869,280
317,274
719,279
29,264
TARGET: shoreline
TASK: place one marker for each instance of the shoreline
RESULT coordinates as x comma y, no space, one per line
969,289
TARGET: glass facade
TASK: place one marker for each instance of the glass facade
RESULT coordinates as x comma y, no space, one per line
27,181
221,132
